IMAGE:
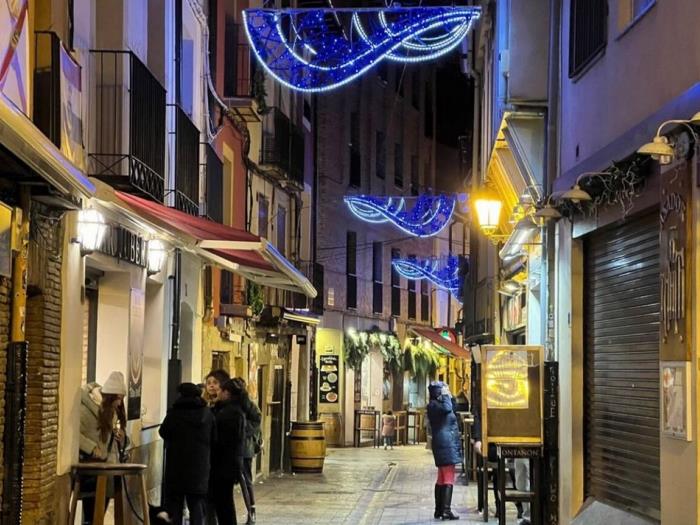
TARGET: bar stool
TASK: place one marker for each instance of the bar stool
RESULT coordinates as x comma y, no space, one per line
103,472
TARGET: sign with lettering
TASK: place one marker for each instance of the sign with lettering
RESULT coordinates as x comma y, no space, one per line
125,245
675,263
329,379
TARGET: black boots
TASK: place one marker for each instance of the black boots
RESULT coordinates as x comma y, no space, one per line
251,516
438,501
447,513
443,503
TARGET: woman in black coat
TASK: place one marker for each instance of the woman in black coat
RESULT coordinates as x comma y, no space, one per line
253,418
227,454
188,431
447,449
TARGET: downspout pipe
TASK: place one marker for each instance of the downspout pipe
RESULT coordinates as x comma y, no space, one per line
175,363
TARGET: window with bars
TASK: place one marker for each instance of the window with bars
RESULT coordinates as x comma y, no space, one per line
354,146
587,33
381,155
395,286
424,301
377,278
351,269
263,215
398,166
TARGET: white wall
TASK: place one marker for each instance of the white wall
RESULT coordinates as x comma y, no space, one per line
191,313
155,353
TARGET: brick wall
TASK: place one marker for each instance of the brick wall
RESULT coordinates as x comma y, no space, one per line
43,327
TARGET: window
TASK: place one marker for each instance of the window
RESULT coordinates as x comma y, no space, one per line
631,10
263,211
395,286
415,176
424,301
355,157
398,166
226,288
412,296
230,52
351,269
282,230
213,36
415,89
377,278
587,38
381,155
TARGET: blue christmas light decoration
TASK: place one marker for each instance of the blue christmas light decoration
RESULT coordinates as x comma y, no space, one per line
427,217
444,273
320,49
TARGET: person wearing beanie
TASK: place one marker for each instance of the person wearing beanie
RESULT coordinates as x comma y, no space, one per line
189,431
227,454
102,430
447,448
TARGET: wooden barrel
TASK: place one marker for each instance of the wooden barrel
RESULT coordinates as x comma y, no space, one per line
332,429
307,445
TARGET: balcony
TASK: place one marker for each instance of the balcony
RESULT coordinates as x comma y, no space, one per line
127,149
282,146
214,194
314,273
186,162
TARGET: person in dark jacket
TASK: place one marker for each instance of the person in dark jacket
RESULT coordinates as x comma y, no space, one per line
253,417
188,431
228,451
447,449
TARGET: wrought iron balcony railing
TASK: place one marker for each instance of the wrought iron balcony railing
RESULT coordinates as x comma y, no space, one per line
283,145
186,162
127,148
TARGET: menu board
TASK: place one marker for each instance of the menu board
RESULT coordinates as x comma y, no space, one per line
329,379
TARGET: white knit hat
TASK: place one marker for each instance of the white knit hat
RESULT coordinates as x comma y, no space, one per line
115,384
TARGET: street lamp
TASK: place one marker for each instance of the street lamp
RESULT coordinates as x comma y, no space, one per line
660,148
488,211
156,256
91,231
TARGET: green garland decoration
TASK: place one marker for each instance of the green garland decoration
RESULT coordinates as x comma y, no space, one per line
356,349
254,297
359,344
420,361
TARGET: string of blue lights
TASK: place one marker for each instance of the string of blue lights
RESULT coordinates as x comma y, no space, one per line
428,216
444,273
307,50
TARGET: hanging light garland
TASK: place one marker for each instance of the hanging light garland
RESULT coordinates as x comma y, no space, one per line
444,273
317,50
428,215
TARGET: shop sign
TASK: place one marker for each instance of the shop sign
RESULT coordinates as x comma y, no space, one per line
676,268
125,245
329,379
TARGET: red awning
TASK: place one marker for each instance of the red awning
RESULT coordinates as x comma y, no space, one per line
240,251
447,345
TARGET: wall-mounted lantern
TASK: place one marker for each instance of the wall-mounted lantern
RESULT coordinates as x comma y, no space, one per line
157,254
91,231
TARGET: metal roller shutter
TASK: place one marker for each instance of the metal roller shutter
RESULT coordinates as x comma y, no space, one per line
621,323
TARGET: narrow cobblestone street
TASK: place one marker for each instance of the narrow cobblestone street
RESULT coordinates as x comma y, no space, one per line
362,486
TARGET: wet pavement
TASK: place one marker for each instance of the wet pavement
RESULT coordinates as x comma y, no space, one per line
365,487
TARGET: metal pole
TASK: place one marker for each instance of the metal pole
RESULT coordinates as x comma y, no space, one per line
174,363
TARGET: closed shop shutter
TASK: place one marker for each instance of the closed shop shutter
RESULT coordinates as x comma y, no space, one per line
621,323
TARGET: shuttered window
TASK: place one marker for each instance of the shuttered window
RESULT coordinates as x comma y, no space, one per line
587,33
621,403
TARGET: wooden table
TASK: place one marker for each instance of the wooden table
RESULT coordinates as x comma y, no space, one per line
103,472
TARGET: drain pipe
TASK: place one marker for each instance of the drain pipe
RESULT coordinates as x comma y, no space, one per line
174,363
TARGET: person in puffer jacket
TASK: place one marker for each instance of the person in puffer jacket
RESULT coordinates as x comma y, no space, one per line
447,447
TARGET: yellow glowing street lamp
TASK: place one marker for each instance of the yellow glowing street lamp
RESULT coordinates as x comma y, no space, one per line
488,212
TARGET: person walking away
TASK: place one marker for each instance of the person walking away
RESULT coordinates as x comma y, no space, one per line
212,383
253,446
188,431
227,453
102,432
446,447
388,429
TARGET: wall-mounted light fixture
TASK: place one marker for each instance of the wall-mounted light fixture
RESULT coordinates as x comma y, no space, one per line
548,212
91,231
488,212
576,194
156,256
661,149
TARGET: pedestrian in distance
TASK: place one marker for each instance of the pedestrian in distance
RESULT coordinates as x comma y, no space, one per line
102,432
253,446
447,447
188,431
213,383
228,451
388,429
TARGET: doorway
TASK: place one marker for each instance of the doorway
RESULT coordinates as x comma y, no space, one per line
261,399
277,421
